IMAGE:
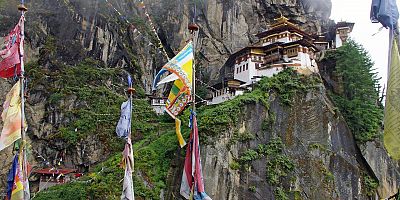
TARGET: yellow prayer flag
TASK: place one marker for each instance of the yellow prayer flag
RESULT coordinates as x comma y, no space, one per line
182,142
392,106
11,117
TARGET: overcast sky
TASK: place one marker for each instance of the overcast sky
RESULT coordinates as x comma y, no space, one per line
357,11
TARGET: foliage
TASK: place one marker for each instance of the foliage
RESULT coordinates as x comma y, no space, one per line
234,165
328,176
287,83
249,156
239,137
370,185
156,142
94,186
278,165
280,194
94,90
252,188
87,81
358,102
317,146
74,191
153,162
215,119
268,122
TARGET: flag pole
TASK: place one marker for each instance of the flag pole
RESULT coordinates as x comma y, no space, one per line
193,28
131,91
23,9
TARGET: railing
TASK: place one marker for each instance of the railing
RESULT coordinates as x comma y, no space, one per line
272,58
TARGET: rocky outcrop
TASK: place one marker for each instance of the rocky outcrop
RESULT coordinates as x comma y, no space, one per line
383,168
328,162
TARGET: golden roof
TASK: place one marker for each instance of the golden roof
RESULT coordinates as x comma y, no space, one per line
282,21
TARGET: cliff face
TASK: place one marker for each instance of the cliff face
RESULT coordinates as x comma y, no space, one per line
385,170
327,161
64,33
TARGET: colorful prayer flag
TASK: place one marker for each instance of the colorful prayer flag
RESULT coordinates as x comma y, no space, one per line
181,66
15,188
128,164
392,106
178,98
11,117
180,95
192,178
11,55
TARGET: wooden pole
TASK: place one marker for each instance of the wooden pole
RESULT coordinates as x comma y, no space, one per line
193,28
131,91
25,180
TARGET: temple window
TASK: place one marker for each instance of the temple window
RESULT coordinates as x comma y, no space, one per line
292,52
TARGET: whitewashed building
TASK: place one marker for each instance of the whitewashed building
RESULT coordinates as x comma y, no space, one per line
343,30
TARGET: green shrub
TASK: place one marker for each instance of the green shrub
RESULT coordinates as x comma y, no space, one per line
280,194
370,185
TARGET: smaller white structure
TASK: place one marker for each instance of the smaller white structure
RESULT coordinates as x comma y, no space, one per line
226,91
343,30
158,104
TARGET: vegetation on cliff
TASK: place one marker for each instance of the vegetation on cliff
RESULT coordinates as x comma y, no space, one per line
215,119
96,94
358,97
154,138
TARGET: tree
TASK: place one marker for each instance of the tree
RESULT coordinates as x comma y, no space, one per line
359,101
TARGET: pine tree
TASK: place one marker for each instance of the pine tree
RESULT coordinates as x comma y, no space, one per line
359,102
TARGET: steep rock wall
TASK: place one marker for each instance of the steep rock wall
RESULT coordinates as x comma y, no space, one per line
328,163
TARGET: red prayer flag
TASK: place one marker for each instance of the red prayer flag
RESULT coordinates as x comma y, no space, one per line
192,178
11,55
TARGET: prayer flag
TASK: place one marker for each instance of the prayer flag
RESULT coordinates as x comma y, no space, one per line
124,124
385,12
178,122
182,73
10,63
128,164
15,188
181,66
192,178
178,98
392,106
11,117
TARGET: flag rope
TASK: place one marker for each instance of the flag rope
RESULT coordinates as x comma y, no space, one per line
160,47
